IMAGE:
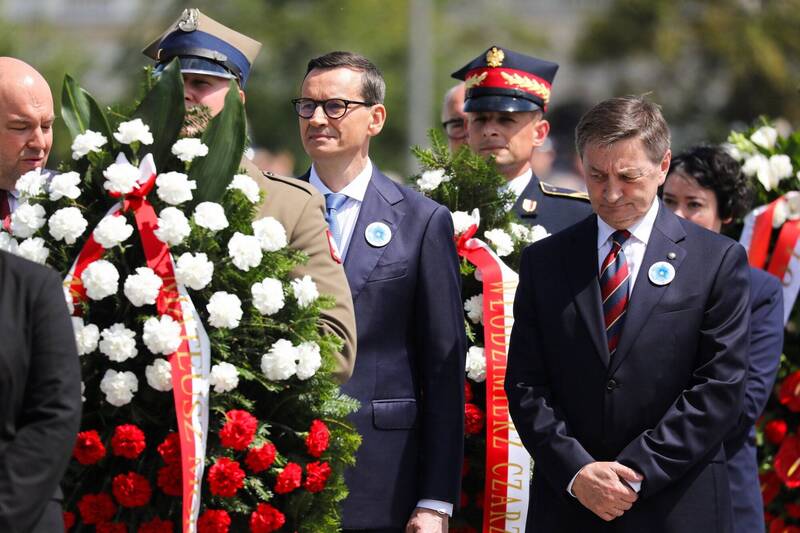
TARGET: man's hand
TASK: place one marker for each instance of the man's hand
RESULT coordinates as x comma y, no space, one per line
601,489
427,521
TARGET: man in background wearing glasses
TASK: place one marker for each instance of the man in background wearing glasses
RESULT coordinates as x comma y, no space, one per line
400,260
453,117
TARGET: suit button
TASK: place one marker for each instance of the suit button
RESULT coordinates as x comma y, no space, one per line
611,385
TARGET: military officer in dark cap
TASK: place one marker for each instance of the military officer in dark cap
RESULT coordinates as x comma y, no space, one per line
211,55
507,95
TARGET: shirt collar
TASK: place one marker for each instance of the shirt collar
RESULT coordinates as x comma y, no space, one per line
641,229
518,184
356,189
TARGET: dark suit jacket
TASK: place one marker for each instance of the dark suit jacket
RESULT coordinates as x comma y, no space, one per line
40,395
766,345
409,372
665,401
556,208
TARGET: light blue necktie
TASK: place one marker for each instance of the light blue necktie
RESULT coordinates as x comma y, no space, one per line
333,202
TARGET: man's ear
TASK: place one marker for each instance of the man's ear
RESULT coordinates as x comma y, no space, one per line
664,166
377,119
242,95
540,131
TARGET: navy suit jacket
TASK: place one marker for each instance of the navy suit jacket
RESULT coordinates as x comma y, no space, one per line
661,405
555,210
766,345
409,371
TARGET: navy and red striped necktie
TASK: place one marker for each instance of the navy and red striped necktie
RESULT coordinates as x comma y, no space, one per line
614,276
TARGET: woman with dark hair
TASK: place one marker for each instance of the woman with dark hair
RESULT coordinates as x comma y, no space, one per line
706,185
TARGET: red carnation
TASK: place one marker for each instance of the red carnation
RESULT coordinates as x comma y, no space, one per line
131,489
96,508
770,486
793,510
318,438
266,519
289,478
88,448
69,520
467,392
225,478
170,449
111,527
317,475
473,419
789,393
239,430
787,462
214,521
156,525
775,431
261,458
779,526
169,479
128,441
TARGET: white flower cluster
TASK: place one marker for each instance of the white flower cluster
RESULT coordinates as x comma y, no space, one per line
270,233
304,290
8,243
462,220
142,288
285,360
88,141
119,387
31,183
224,310
502,241
159,375
33,249
112,230
769,171
133,131
431,179
247,185
476,364
527,234
86,336
245,251
173,226
118,343
161,335
65,186
194,270
224,377
174,188
189,148
100,279
210,215
121,178
474,308
27,219
268,296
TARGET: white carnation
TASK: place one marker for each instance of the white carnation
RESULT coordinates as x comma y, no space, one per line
142,288
8,243
431,179
765,137
304,290
502,241
162,335
224,377
462,220
27,219
31,183
89,141
100,279
173,227
224,310
86,336
268,296
781,167
112,230
210,215
159,375
245,251
194,270
121,178
118,343
133,131
33,249
537,233
189,148
280,362
119,387
67,224
519,231
474,308
308,360
174,187
65,185
247,185
476,364
270,233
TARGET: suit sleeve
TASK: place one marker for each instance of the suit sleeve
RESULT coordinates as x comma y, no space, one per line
310,236
441,349
32,465
537,417
710,406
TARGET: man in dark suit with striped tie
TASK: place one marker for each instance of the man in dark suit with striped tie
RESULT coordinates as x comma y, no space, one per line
629,349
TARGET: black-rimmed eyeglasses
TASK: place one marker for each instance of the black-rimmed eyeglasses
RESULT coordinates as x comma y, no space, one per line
333,107
455,128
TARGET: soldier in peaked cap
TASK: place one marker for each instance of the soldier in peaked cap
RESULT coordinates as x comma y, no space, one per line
507,95
210,55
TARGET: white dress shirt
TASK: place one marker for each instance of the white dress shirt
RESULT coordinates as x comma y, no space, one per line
347,215
633,249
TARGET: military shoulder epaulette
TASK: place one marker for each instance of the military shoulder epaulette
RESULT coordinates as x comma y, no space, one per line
294,182
552,190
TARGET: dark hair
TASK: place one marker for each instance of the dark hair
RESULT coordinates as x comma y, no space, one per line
373,86
622,118
713,168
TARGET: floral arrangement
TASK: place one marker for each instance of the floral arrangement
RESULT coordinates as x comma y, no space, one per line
773,162
275,438
472,188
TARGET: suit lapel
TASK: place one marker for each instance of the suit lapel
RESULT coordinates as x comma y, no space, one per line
667,231
382,203
580,264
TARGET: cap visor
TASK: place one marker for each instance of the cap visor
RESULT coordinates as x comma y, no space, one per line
507,104
199,65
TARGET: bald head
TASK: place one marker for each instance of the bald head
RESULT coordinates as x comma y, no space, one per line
26,120
452,111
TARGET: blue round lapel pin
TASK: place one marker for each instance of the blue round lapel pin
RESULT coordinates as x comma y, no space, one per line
661,273
378,234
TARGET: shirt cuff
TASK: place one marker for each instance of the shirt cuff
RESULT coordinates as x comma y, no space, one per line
571,482
436,505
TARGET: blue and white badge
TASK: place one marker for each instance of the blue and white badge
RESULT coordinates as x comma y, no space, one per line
378,234
661,273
